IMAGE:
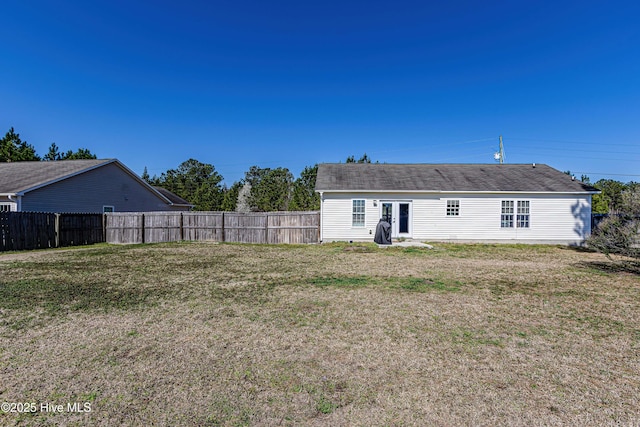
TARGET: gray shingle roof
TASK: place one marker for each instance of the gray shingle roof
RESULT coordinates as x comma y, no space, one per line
173,198
16,177
445,178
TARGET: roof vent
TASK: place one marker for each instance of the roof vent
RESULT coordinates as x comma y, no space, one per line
534,165
573,177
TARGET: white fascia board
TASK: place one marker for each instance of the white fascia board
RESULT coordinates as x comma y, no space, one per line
456,192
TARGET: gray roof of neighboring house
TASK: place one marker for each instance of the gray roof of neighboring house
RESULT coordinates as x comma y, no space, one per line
446,178
174,198
17,177
21,177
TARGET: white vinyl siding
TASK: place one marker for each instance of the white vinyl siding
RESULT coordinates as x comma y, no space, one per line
337,218
557,218
6,207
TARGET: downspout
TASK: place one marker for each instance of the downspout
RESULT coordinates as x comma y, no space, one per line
18,201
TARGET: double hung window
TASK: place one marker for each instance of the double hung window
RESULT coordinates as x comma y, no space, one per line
506,217
522,219
357,213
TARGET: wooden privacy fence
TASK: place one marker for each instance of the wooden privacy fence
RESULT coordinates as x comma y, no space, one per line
263,227
37,230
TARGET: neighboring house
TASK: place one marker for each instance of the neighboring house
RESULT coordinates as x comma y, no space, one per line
87,186
454,202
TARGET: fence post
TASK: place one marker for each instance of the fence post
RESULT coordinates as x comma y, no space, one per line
181,227
222,230
143,228
266,228
56,231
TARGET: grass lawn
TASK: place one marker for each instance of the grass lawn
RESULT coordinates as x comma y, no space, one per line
227,334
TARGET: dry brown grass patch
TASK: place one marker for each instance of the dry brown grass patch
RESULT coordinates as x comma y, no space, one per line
317,335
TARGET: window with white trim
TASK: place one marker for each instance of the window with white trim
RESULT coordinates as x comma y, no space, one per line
506,216
522,219
5,207
453,207
515,214
106,209
357,213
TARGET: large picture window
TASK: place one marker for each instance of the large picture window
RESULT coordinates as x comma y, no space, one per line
357,217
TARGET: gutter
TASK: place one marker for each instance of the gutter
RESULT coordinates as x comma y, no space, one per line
18,200
460,192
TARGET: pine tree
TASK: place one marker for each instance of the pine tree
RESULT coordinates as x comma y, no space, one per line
13,149
145,176
304,197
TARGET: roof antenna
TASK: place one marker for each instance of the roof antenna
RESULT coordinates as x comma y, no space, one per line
499,156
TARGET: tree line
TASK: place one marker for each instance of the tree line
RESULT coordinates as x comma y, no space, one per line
266,189
14,149
612,194
261,189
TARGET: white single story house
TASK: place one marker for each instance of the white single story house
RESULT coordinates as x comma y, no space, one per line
531,203
83,186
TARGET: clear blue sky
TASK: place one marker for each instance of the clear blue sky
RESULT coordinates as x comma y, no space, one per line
292,83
